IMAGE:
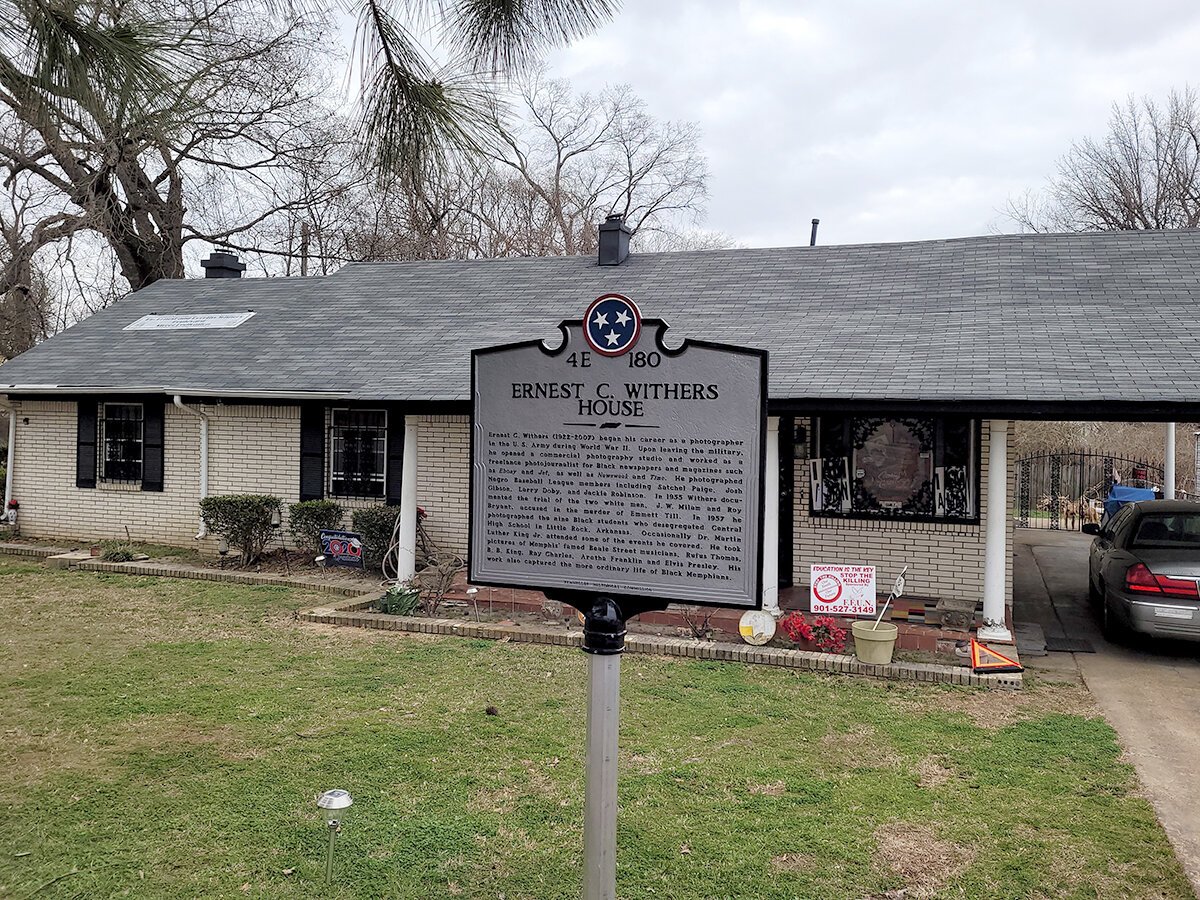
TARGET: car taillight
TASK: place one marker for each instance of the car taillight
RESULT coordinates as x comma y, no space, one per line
1141,580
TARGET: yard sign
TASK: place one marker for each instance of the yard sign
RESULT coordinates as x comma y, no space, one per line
842,590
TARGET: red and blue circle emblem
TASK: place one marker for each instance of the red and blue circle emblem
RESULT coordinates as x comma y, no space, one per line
612,324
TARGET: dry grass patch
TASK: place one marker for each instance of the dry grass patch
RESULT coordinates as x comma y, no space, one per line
917,855
791,863
774,789
997,709
859,747
931,773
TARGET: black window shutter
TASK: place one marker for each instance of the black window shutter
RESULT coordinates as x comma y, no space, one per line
395,456
153,428
312,451
85,445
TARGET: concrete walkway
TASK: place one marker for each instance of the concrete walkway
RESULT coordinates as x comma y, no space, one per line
1150,695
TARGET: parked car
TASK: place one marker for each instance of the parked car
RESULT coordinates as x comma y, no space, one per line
1144,570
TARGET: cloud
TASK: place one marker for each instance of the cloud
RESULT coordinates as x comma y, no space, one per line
887,121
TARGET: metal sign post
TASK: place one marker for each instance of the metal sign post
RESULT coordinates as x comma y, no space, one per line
604,641
617,475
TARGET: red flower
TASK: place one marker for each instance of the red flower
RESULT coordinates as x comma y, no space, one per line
823,631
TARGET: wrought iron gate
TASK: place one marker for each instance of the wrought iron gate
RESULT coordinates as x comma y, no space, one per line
1064,491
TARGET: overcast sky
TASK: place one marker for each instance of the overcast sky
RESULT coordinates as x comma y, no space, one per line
888,121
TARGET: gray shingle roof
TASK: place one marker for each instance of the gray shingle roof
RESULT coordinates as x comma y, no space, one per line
1054,318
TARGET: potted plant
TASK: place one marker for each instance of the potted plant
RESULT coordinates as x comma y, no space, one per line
875,642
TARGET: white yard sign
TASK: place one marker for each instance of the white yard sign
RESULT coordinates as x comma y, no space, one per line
842,590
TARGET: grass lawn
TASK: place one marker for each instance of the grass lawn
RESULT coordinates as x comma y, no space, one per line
166,738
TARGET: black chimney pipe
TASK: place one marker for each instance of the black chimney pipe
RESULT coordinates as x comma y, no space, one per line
614,241
812,241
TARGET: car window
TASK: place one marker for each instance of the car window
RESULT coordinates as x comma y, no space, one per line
1117,522
1167,531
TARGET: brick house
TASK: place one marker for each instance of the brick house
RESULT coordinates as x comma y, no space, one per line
896,372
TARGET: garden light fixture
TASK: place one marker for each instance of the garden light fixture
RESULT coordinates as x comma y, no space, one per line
334,806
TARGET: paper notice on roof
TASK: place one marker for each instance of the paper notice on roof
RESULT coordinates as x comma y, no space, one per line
155,322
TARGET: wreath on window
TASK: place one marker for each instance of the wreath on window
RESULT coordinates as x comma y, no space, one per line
921,501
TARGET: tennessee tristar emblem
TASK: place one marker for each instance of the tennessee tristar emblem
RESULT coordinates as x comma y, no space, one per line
612,324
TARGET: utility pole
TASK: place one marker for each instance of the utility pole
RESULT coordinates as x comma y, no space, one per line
303,249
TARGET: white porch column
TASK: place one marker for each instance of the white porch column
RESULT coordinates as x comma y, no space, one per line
770,536
1169,461
12,456
996,536
406,553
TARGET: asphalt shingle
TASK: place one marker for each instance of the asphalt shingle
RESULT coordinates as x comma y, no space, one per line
1088,317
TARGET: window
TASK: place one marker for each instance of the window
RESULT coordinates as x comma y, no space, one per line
1165,532
893,468
358,457
121,442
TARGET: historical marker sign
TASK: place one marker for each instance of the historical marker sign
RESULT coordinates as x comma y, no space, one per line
616,465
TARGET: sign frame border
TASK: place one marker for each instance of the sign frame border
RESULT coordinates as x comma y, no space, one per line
658,328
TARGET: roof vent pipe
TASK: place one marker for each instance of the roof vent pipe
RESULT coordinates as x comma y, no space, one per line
812,241
223,264
614,240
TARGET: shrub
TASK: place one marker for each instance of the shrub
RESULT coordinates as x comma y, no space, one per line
117,551
244,520
376,524
401,599
308,519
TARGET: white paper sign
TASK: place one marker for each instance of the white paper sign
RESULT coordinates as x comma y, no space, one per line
189,322
842,590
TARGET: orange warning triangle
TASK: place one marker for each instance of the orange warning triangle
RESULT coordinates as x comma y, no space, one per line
985,659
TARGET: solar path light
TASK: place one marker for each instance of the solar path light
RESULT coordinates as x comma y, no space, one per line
334,806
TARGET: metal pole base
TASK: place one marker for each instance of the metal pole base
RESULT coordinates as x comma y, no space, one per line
600,798
604,641
333,828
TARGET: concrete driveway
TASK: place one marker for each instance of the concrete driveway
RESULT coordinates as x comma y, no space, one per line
1150,695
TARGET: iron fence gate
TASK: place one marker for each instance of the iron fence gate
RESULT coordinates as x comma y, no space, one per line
1064,491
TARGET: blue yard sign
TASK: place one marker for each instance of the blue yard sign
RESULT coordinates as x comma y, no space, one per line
342,548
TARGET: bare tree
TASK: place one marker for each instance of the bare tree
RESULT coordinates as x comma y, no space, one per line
200,160
25,297
578,157
1143,174
562,166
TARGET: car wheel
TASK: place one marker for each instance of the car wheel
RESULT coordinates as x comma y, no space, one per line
1094,595
1110,625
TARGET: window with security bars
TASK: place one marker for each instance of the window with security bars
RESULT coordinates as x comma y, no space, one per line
121,443
358,452
916,468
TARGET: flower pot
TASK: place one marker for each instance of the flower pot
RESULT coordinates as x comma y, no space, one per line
874,645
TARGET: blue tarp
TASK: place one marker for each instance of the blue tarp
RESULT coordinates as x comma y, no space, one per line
1120,495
